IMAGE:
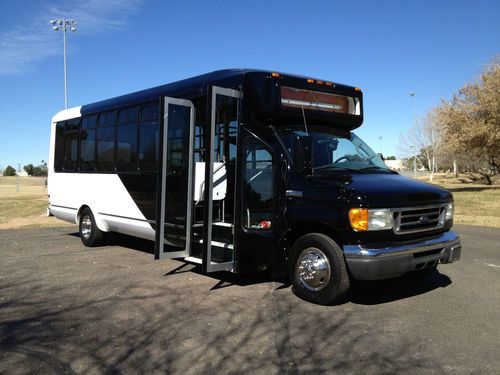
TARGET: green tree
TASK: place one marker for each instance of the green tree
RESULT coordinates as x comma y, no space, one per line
9,171
41,170
471,122
29,169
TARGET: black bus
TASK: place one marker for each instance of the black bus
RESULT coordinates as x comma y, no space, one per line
243,170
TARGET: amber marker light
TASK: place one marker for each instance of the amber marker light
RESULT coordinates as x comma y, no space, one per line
357,89
359,219
310,81
277,75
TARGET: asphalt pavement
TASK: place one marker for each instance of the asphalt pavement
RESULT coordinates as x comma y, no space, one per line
67,309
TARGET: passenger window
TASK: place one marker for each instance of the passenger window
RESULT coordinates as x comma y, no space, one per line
89,122
59,147
149,138
258,175
126,153
66,146
71,145
106,142
126,141
87,150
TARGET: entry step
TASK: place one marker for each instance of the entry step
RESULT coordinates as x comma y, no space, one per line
222,224
193,260
220,244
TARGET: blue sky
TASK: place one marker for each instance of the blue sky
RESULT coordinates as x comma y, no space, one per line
388,48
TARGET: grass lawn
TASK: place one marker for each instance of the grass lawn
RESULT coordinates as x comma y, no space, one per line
474,204
26,207
477,206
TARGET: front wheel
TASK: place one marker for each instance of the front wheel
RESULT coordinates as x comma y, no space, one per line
90,234
318,270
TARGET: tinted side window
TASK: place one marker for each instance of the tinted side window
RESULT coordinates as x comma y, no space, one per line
59,147
106,142
149,135
70,145
149,138
87,150
258,175
126,143
126,140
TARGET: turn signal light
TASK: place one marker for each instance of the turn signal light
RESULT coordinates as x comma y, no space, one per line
359,219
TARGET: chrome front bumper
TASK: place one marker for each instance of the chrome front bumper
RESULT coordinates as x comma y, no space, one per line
385,260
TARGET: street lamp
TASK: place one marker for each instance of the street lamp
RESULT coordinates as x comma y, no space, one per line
412,94
64,25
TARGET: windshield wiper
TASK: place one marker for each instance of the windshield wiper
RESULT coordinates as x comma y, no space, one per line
329,166
374,167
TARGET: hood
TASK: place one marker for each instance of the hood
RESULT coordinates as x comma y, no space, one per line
379,189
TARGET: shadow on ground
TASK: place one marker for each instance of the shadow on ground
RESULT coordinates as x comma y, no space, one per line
129,327
384,291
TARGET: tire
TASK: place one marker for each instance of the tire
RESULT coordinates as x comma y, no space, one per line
329,281
90,234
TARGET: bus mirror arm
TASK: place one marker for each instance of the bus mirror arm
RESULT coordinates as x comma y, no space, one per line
302,154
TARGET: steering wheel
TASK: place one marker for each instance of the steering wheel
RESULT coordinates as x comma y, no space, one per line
347,158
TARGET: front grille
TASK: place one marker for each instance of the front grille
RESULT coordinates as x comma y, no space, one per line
418,219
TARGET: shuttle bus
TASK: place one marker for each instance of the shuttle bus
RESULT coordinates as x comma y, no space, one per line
241,170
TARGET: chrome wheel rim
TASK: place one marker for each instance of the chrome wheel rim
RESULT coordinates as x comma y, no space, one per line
86,227
313,269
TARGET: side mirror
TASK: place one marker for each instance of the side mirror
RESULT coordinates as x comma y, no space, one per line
302,154
381,156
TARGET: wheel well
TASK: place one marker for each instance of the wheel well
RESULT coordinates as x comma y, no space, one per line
303,228
79,213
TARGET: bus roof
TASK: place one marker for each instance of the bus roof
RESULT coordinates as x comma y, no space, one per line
193,86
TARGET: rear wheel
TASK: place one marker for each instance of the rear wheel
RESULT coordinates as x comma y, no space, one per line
318,270
90,234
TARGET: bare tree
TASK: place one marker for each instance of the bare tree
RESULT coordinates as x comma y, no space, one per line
425,137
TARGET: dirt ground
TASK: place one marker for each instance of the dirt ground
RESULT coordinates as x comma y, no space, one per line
66,309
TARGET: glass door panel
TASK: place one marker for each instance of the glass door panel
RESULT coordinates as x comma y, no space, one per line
220,172
174,219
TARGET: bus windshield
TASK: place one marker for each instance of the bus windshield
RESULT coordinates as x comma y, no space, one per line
332,150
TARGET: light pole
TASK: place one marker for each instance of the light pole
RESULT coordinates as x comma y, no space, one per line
412,94
380,139
63,25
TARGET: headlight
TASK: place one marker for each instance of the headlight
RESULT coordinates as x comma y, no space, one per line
363,219
450,211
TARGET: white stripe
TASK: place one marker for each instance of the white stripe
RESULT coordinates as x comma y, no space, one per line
491,265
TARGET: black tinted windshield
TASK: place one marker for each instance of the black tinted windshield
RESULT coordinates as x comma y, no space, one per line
332,150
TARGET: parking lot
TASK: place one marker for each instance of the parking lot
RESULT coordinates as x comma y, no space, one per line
69,309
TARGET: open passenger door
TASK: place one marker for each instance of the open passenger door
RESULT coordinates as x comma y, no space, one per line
220,171
175,189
